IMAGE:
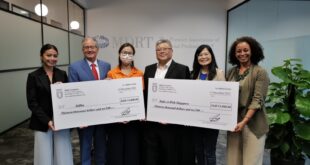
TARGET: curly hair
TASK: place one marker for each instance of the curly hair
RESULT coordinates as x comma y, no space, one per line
257,53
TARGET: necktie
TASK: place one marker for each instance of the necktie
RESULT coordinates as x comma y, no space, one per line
94,70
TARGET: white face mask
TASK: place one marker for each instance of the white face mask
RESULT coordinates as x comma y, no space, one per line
126,57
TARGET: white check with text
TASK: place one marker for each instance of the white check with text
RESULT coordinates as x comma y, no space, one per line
208,104
97,102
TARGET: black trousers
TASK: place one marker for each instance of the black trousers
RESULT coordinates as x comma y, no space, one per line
167,144
186,145
205,145
124,143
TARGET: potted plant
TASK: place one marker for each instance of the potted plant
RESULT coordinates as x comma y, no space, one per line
288,112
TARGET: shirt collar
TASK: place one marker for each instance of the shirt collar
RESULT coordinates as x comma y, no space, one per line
133,70
166,65
95,62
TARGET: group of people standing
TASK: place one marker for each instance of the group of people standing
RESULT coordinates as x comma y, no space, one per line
143,142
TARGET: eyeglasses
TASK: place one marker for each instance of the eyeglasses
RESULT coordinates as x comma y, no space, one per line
162,49
126,56
89,47
127,53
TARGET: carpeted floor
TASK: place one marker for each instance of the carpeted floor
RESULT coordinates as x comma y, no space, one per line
16,147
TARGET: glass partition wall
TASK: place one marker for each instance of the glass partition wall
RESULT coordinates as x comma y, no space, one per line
76,18
59,22
57,15
63,14
26,26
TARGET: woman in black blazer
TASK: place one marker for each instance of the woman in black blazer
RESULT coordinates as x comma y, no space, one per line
50,146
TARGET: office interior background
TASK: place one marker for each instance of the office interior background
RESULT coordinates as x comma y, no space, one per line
281,26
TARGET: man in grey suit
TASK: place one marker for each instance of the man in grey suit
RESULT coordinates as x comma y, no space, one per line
165,144
88,69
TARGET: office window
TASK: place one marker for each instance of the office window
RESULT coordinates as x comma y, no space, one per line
57,15
27,5
20,10
76,18
25,8
4,5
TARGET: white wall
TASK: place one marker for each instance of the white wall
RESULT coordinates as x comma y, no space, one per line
233,3
142,22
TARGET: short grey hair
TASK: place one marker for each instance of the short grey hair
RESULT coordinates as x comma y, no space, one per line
90,38
164,41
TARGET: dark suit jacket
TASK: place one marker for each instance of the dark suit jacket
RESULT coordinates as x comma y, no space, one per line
175,71
39,97
168,139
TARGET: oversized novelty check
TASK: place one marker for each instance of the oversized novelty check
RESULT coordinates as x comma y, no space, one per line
97,102
208,104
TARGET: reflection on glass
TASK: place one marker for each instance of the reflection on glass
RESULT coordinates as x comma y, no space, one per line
26,5
52,12
76,18
57,13
74,25
56,23
4,5
37,10
21,11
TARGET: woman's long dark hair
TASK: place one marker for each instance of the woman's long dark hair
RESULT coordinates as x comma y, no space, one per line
211,67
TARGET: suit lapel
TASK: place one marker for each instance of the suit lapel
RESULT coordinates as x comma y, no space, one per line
170,69
44,79
58,76
87,70
153,70
101,69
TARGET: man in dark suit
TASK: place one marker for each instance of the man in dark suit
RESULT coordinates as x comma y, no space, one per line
88,69
162,142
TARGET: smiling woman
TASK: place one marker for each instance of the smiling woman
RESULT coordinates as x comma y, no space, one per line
205,68
253,80
46,138
50,57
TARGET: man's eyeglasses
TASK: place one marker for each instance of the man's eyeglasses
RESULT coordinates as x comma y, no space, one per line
162,49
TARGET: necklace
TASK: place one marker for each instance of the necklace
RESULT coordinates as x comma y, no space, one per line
243,75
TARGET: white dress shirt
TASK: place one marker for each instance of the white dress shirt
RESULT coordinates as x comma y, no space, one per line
161,71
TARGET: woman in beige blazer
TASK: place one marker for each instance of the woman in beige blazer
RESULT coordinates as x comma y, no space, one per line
245,145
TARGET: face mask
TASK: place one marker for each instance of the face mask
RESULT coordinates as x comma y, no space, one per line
126,57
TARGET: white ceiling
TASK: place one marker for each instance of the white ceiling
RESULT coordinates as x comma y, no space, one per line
88,4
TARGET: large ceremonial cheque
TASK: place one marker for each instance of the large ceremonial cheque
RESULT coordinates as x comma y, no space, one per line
97,102
208,104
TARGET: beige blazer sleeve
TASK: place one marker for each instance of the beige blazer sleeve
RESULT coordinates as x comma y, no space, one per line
220,76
